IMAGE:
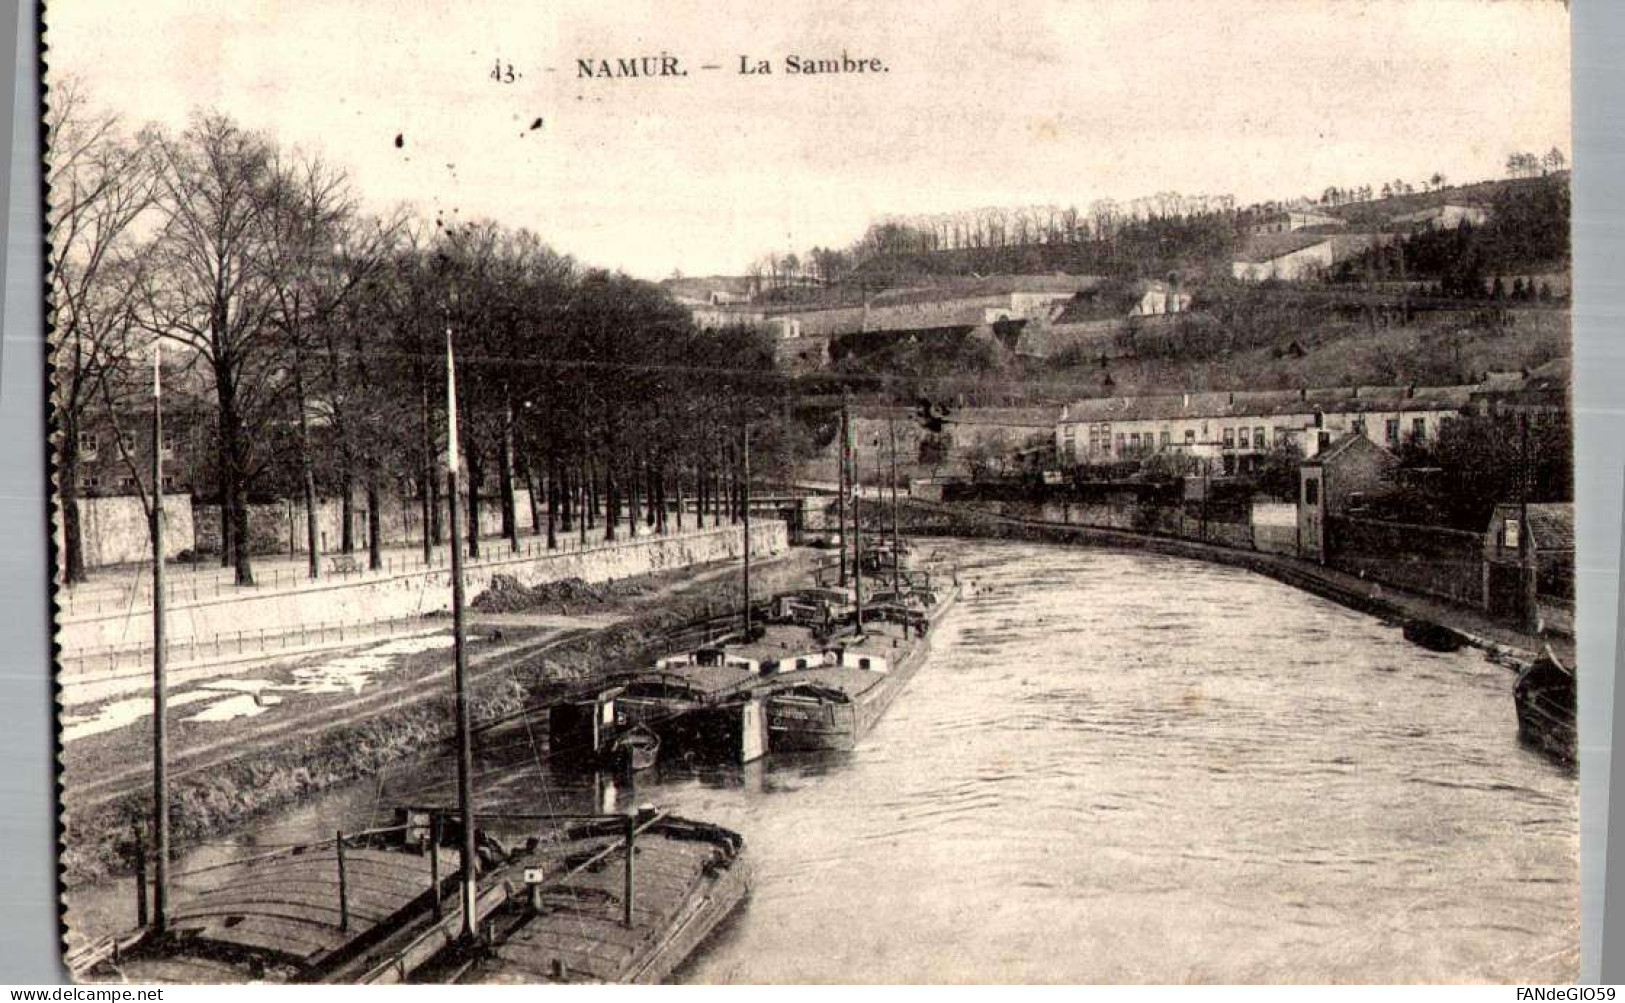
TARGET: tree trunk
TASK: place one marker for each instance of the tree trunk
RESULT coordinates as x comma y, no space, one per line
347,509
375,518
428,496
611,504
73,543
583,513
535,500
476,476
236,457
307,471
228,530
553,497
505,477
677,481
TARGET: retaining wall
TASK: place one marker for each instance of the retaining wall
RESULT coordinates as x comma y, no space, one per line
113,530
385,596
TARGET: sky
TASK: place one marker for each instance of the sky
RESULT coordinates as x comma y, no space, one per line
1008,103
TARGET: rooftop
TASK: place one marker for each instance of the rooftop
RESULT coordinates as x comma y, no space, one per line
1261,247
1263,403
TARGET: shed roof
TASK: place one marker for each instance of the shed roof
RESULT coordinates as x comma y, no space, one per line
1261,247
1551,525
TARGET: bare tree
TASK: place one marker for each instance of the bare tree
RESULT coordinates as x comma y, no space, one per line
101,183
214,290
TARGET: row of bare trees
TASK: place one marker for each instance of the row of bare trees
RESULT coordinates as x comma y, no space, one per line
308,337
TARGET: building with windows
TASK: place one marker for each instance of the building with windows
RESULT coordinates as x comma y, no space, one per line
1231,430
1288,220
1346,471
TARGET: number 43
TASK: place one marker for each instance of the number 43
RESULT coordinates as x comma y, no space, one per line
503,73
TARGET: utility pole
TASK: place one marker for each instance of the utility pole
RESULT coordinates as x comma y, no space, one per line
465,746
160,696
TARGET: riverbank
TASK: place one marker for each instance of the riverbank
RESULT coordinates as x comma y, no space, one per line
225,773
1506,645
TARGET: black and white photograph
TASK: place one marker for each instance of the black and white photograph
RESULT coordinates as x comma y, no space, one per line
814,493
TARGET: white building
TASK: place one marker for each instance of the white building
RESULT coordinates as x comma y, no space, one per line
1230,430
1288,257
1448,216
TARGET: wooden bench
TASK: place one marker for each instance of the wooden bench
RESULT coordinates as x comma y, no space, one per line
343,564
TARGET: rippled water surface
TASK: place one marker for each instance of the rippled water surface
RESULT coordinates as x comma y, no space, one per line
1123,767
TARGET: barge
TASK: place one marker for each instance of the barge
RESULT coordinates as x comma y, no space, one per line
382,907
1545,698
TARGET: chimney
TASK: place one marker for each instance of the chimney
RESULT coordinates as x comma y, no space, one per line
1356,393
1303,393
1410,391
1232,397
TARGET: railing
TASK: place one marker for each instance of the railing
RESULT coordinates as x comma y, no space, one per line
93,601
246,642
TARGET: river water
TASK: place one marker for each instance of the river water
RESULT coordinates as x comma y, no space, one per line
1115,767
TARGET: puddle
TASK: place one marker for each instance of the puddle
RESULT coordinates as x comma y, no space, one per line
351,673
231,708
122,712
244,698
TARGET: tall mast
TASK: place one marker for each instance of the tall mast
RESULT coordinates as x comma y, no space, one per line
465,747
747,527
857,531
844,452
160,696
896,543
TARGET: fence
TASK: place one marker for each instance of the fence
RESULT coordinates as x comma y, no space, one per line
114,660
1447,563
200,583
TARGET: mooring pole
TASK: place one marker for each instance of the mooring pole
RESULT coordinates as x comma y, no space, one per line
465,745
626,897
344,888
160,695
434,861
140,880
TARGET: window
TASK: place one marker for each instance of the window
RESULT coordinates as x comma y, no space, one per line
1246,438
1134,441
1190,436
127,483
1419,429
1165,439
1229,438
90,482
1359,424
1311,492
1119,442
1393,429
166,443
127,440
170,482
1258,437
88,443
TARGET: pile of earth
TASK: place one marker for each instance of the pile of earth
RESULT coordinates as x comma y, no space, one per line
507,595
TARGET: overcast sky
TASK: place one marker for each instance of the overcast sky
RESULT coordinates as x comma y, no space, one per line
985,103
